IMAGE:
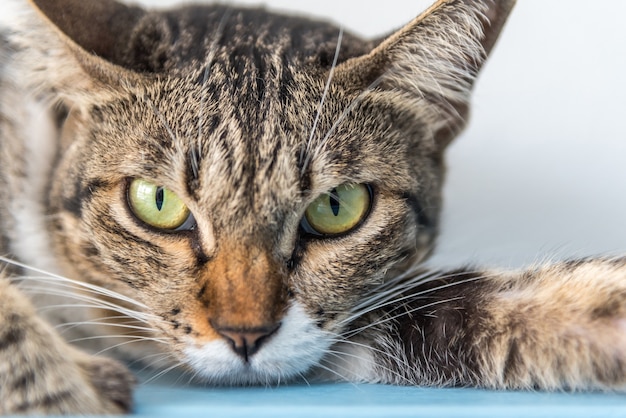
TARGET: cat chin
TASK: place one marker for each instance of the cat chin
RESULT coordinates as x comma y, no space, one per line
298,345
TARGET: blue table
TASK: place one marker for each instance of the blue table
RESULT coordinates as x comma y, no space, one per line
347,400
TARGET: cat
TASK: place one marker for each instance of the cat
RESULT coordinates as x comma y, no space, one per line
248,196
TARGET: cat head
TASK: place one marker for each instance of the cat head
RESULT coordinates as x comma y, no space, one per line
248,177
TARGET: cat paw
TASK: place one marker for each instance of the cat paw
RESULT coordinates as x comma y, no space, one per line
112,381
41,374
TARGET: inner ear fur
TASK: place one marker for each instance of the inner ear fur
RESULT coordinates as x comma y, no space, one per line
100,27
95,31
434,59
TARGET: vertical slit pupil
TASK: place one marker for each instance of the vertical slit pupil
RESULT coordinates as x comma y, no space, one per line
159,197
334,201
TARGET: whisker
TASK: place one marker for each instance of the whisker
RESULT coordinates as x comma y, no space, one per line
91,303
394,287
70,325
104,350
135,338
324,94
157,358
387,353
55,277
342,117
85,305
303,377
109,324
59,287
384,319
341,377
387,299
339,354
144,359
184,373
192,377
163,372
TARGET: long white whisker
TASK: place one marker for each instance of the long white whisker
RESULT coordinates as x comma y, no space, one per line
340,354
102,319
131,314
324,94
135,338
108,324
163,372
92,303
56,277
356,331
333,371
144,360
155,359
342,117
58,287
104,350
400,294
393,288
342,340
303,377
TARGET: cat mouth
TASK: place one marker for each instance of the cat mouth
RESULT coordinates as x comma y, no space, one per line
279,355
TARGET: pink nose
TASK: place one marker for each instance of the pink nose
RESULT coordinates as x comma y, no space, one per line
247,341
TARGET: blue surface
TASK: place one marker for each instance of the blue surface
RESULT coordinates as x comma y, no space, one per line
346,400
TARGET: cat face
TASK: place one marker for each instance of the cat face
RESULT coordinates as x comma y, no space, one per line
242,186
247,260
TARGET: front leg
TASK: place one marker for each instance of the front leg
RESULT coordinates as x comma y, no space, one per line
556,327
41,374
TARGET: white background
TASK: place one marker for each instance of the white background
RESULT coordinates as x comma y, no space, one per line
539,173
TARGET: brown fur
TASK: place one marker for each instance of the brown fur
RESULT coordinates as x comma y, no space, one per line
248,117
250,291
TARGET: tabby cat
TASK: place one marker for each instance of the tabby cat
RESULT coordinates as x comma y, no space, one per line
246,196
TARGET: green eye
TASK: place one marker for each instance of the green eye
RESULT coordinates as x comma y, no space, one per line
338,211
157,206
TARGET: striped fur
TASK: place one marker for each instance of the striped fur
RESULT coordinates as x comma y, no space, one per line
249,116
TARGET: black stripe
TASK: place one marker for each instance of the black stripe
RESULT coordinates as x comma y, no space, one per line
416,207
305,177
286,81
82,195
513,363
441,320
24,381
14,332
258,58
46,402
273,157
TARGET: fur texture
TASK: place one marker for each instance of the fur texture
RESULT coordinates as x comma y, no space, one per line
249,117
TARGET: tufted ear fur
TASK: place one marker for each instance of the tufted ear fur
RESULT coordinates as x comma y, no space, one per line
435,59
101,27
69,47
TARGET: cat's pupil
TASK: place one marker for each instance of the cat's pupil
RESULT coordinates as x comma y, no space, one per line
159,197
334,201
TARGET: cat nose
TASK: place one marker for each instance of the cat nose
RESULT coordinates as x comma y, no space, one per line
247,341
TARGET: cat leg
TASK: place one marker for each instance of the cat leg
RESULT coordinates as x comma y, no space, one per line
555,327
41,374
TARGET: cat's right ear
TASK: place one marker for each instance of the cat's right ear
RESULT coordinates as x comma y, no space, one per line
71,47
433,61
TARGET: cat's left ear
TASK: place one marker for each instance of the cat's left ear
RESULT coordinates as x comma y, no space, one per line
434,60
